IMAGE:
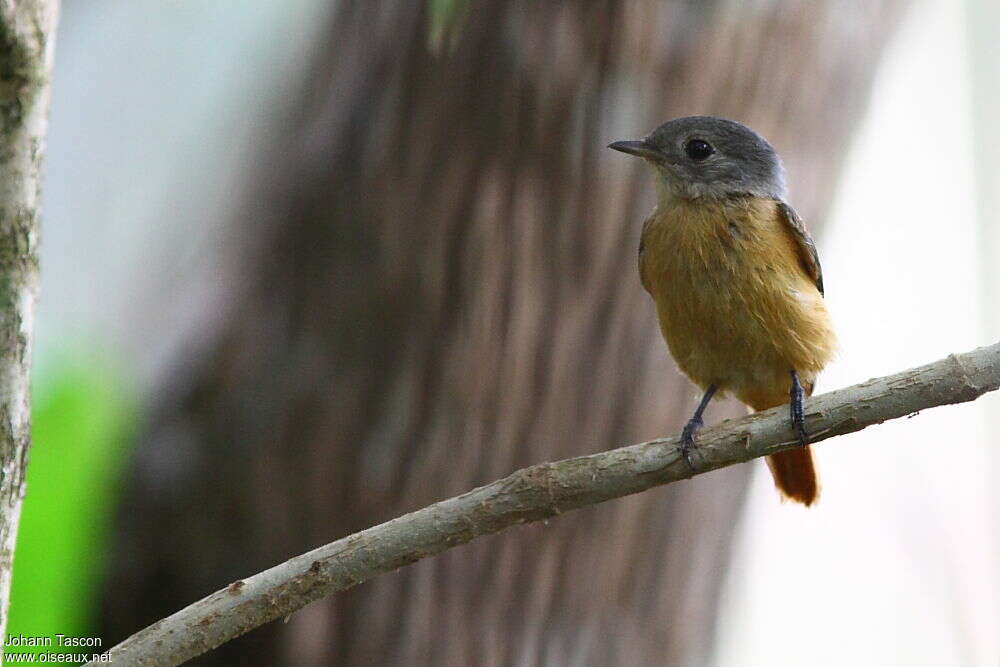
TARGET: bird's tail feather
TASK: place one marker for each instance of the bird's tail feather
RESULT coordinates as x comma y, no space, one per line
795,475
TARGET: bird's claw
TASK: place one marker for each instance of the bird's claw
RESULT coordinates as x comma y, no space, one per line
798,416
687,440
800,430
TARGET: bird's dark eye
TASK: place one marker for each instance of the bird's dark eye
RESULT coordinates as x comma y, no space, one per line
698,149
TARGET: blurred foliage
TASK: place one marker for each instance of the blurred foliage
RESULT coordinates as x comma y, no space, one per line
83,417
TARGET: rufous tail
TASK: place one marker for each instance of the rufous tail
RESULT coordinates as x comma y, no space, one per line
795,475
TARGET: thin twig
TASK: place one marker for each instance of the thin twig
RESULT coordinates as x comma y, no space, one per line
539,492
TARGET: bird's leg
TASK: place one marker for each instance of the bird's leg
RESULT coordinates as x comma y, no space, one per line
798,418
695,423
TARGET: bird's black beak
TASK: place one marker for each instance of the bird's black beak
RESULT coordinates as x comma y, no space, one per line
640,148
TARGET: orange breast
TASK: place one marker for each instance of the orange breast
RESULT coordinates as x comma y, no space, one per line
735,305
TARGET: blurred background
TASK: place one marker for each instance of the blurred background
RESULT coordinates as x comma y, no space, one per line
309,265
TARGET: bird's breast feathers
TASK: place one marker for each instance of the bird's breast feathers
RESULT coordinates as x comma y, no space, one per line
736,289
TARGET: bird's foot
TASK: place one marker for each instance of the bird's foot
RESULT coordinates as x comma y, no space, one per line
687,439
798,413
798,423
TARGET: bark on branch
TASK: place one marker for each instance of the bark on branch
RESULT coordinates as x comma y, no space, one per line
543,491
27,31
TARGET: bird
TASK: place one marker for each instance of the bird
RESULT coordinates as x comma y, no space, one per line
735,278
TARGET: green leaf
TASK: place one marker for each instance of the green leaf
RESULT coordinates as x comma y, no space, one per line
83,415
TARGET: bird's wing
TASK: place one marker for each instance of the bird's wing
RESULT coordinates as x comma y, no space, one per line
807,249
642,256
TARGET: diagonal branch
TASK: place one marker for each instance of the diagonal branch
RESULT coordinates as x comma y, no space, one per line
539,492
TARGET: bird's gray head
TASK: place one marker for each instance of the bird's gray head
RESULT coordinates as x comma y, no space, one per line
703,156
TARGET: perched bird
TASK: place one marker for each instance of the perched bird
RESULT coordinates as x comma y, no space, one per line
735,277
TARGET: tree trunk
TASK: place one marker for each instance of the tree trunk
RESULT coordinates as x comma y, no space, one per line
438,287
27,34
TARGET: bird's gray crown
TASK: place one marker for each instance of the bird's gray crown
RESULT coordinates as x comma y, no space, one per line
706,156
